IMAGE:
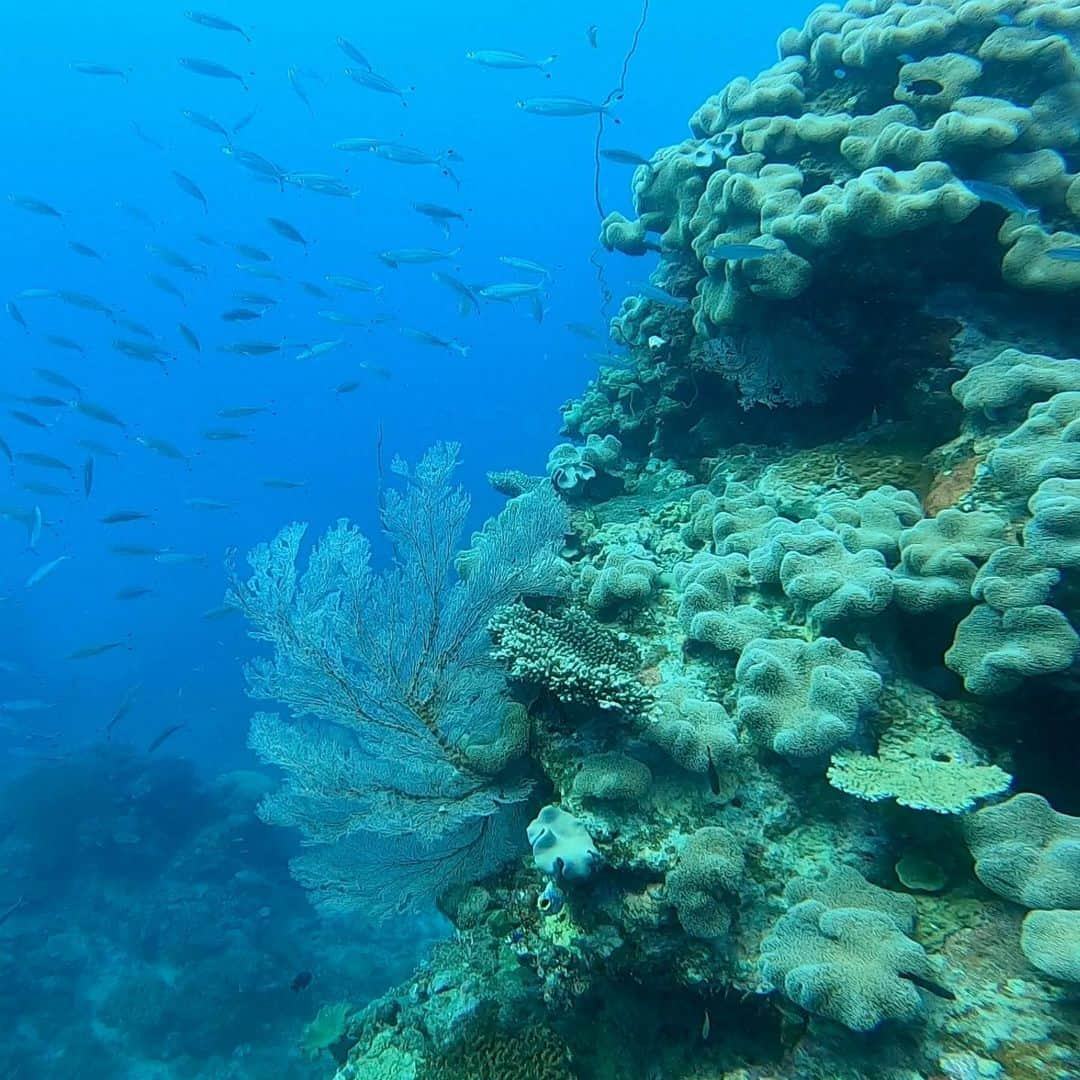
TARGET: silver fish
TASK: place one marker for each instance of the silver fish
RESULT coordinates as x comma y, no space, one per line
624,157
216,22
354,146
567,106
510,61
189,336
34,206
207,123
354,54
211,69
289,232
341,281
465,294
100,69
524,264
189,187
423,337
84,250
166,286
298,89
43,572
398,256
510,290
373,81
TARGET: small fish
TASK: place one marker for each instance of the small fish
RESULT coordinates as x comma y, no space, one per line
27,419
359,145
162,447
16,315
211,69
189,187
218,612
37,521
43,461
35,206
45,401
105,70
466,296
238,412
524,264
398,256
136,212
714,776
379,83
121,517
662,297
301,981
216,22
315,290
42,572
44,489
97,412
135,327
929,985
88,651
313,352
258,299
136,551
283,228
347,387
341,317
1064,254
25,705
62,342
98,448
509,61
55,378
998,195
440,215
592,35
258,271
36,294
299,90
167,733
126,702
403,155
341,281
207,504
566,107
84,250
133,592
143,137
178,558
240,315
251,252
189,336
243,121
88,476
256,163
207,123
510,290
624,157
224,435
85,302
738,252
706,1027
321,185
284,485
12,908
252,348
584,331
423,337
166,286
354,54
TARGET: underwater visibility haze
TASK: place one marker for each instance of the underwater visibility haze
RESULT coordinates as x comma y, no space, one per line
540,541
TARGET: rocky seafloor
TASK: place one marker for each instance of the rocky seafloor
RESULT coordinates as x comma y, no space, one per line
803,731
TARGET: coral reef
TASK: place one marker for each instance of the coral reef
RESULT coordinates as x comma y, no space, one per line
822,607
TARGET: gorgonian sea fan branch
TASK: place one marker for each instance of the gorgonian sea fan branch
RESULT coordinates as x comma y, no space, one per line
391,691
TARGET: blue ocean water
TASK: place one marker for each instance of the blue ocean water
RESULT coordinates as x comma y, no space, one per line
107,842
